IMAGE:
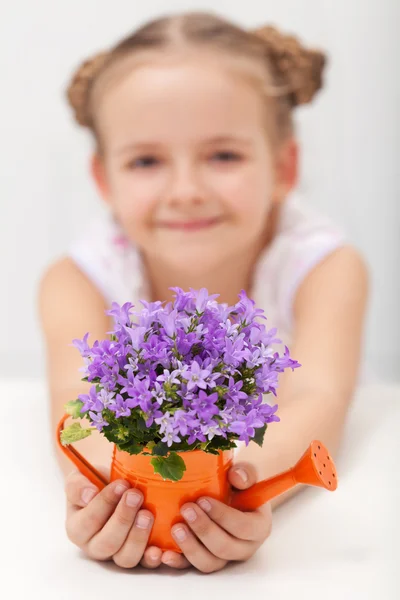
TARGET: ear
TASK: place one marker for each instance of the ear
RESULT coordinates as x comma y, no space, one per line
98,171
287,169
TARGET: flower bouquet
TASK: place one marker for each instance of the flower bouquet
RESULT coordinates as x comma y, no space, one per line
188,375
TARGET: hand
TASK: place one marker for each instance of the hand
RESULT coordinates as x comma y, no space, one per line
107,526
221,534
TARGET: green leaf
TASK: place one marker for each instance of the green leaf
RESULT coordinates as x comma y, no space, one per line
220,443
212,451
73,408
132,447
74,433
116,434
161,449
171,467
141,424
259,435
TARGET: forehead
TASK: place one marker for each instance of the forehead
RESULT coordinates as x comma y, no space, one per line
192,97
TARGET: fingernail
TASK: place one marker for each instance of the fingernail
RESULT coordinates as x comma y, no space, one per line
133,499
180,534
143,521
88,494
154,556
120,489
170,563
190,514
205,505
242,474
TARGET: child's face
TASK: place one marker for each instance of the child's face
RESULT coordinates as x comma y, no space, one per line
188,168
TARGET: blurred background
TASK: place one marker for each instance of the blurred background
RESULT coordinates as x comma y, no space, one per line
350,138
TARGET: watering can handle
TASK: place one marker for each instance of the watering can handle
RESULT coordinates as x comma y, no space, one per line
80,461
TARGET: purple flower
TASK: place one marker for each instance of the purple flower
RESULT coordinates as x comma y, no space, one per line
182,299
185,341
136,335
280,363
196,434
165,422
105,397
202,299
233,351
205,406
120,313
171,437
234,390
267,413
256,357
246,308
169,378
132,364
152,412
155,349
181,421
120,407
245,427
212,429
82,345
158,393
97,420
168,321
196,376
91,401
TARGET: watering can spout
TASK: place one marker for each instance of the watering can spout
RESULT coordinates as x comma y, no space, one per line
314,468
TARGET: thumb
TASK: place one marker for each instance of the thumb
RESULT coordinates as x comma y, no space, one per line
242,475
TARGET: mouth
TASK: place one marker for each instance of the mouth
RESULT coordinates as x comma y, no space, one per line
190,225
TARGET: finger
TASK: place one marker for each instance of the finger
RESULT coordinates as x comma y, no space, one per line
251,526
217,540
84,523
199,556
151,558
112,536
242,475
135,544
175,560
79,490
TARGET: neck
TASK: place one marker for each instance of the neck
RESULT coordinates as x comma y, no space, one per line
227,280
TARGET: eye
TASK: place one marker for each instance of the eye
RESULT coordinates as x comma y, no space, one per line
225,156
143,162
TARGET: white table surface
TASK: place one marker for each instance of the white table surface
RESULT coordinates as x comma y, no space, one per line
342,545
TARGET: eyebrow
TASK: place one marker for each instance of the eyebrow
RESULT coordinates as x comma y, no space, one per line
220,139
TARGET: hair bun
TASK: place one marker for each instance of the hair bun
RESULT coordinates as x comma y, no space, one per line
78,89
296,66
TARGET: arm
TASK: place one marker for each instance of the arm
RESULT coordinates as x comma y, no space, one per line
69,306
329,312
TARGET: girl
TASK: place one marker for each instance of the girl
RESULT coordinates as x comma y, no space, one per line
197,159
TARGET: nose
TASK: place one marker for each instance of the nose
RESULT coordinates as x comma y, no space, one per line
184,186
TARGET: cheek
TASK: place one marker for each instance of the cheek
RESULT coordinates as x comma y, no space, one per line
134,199
249,195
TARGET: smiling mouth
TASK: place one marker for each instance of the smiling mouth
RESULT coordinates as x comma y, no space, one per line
190,225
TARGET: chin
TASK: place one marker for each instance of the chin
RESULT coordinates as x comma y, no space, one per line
196,262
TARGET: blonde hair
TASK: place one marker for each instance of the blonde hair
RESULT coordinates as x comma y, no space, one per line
291,74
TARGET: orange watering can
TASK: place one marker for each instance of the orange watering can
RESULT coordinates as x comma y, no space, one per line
205,475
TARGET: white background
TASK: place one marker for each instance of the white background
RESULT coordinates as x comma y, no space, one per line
350,138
